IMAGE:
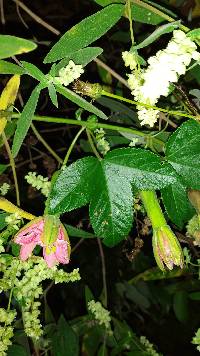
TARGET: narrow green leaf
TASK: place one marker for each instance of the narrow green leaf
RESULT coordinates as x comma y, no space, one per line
75,98
141,14
83,56
177,204
10,68
157,33
111,212
183,153
76,232
25,120
85,32
11,46
71,189
52,94
194,34
34,72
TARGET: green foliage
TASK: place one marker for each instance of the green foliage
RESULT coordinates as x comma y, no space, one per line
69,94
162,30
65,340
84,33
107,185
183,153
25,120
12,45
194,34
82,56
177,203
10,68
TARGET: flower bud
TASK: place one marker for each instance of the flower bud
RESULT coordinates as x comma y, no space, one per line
94,91
166,248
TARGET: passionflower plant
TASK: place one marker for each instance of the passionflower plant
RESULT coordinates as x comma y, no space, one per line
50,234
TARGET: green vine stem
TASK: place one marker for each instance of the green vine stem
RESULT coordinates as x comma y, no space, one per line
12,163
41,139
91,125
153,208
128,7
72,145
90,140
170,112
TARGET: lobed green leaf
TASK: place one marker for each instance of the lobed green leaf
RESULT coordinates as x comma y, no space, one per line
177,204
183,153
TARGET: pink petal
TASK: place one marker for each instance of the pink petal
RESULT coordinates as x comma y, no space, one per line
62,251
30,234
26,250
50,258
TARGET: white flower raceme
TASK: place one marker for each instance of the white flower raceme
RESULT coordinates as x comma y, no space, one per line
4,188
39,182
101,314
129,59
164,68
14,220
69,73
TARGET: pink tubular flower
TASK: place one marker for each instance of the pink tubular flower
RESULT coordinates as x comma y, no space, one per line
49,233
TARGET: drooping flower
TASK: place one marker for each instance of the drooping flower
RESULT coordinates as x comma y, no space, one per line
166,248
49,233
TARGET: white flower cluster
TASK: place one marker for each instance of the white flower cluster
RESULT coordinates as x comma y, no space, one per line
149,347
164,68
196,339
130,59
69,73
26,277
102,144
100,313
14,220
6,330
4,189
39,182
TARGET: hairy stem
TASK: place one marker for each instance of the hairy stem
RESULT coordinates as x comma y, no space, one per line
72,145
92,144
153,209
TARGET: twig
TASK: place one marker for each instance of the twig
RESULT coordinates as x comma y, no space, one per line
41,139
3,21
111,71
37,18
12,163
